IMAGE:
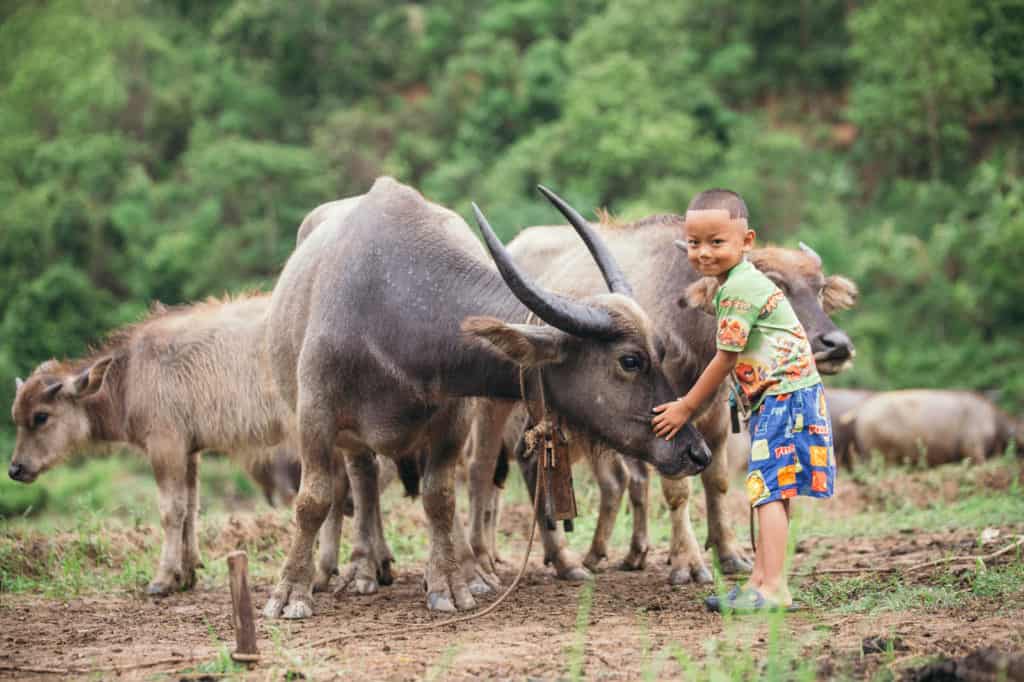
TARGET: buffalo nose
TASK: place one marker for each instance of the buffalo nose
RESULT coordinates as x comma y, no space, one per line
14,471
837,344
700,454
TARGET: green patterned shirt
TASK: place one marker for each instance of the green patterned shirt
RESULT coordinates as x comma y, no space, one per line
756,320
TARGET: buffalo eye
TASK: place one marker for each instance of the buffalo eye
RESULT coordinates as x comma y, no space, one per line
39,418
631,362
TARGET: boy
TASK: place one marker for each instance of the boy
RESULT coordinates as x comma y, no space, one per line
763,346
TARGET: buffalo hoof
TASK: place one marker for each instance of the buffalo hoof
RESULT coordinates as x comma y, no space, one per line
159,589
364,586
592,562
733,565
448,590
484,584
576,574
297,610
360,577
322,581
636,560
290,600
384,575
683,576
440,602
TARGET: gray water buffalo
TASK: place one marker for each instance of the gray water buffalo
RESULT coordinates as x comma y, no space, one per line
841,405
184,380
383,322
661,276
931,427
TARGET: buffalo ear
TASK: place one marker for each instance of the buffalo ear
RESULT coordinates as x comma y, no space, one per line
839,293
701,295
527,345
90,380
18,383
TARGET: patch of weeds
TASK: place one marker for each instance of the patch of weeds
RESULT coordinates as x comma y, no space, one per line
733,656
995,582
577,650
440,669
882,592
223,664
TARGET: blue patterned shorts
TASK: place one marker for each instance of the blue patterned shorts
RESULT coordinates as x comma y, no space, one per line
791,447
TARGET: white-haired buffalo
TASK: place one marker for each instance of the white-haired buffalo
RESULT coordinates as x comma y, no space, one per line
676,298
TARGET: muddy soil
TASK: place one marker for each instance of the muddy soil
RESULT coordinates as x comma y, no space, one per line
636,623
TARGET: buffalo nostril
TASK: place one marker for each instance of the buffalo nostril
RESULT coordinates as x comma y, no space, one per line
837,344
700,455
14,471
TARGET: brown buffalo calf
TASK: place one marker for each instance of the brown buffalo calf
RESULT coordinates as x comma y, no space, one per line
183,380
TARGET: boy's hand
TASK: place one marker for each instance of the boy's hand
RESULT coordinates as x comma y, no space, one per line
670,418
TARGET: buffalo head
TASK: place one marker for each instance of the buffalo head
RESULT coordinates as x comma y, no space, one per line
600,355
813,296
52,416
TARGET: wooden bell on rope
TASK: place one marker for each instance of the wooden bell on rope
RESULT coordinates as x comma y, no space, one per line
559,496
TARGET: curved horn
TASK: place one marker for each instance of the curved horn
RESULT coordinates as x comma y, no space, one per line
570,316
609,268
810,252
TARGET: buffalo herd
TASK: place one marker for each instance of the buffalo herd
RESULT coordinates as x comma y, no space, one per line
394,343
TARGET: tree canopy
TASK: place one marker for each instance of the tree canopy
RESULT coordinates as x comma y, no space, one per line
169,150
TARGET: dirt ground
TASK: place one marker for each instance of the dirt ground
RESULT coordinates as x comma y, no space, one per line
635,622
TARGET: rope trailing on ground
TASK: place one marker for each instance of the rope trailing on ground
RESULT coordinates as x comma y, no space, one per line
405,629
544,422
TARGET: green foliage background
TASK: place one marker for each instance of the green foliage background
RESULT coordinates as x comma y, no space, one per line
168,150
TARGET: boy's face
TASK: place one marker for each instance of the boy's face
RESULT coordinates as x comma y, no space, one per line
715,243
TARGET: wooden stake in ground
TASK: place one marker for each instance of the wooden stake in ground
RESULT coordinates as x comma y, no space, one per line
241,607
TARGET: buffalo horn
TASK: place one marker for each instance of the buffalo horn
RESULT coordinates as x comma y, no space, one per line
613,276
18,383
811,252
570,316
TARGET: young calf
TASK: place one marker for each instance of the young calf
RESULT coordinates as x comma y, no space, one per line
184,380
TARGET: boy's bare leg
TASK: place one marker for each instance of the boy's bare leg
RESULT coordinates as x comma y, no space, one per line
770,562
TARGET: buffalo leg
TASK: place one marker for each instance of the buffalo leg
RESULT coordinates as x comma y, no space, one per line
685,558
446,584
191,560
720,534
367,567
169,460
639,500
482,453
293,595
329,535
566,563
610,473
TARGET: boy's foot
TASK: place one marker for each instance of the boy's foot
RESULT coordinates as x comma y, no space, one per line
714,602
747,602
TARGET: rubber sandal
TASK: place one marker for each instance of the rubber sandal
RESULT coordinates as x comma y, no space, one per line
752,601
714,602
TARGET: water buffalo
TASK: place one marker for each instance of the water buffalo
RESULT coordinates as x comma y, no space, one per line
184,380
661,276
383,322
931,426
841,405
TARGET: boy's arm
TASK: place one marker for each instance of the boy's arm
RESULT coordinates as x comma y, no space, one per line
672,416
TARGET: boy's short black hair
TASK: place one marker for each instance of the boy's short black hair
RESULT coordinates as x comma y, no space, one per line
720,199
